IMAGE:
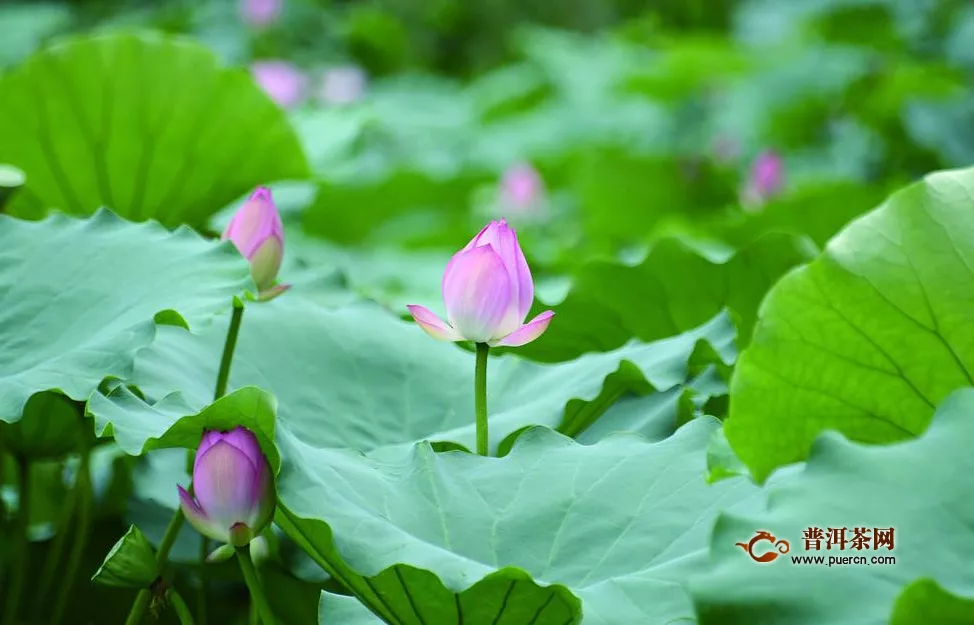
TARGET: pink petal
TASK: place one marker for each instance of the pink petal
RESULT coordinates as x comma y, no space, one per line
434,326
528,332
224,480
198,519
476,240
260,12
503,239
521,185
264,500
282,81
271,293
245,440
254,223
477,293
210,438
525,288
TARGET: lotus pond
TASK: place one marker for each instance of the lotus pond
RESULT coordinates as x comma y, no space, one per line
320,312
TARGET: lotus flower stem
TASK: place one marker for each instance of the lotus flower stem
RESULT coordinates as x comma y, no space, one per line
222,378
85,498
480,397
179,607
53,562
176,523
19,561
228,348
253,583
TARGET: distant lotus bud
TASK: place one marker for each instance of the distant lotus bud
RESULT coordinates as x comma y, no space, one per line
260,13
233,488
257,232
342,85
521,187
764,181
282,81
488,291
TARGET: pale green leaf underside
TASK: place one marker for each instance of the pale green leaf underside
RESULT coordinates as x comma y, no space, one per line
925,601
148,125
869,337
919,487
58,327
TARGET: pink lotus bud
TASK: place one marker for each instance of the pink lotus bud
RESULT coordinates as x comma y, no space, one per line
521,187
282,81
342,85
765,180
260,13
257,232
488,291
233,487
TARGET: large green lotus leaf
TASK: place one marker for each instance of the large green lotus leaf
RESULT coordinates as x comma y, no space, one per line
148,125
359,377
78,298
925,601
138,427
869,337
671,291
344,609
621,524
920,488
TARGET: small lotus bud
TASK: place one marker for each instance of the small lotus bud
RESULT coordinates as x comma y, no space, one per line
233,487
488,291
257,232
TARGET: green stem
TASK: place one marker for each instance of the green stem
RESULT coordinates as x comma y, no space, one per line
222,379
480,398
53,562
231,343
179,607
175,524
18,569
256,592
85,496
165,546
201,589
138,607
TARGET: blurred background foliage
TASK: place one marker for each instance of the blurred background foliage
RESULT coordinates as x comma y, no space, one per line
618,136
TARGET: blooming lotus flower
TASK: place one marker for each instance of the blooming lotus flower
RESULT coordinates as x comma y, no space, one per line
260,13
282,81
257,232
765,179
488,291
233,497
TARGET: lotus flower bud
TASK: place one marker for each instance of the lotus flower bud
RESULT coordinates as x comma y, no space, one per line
233,497
765,179
488,291
257,232
260,13
521,187
282,81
